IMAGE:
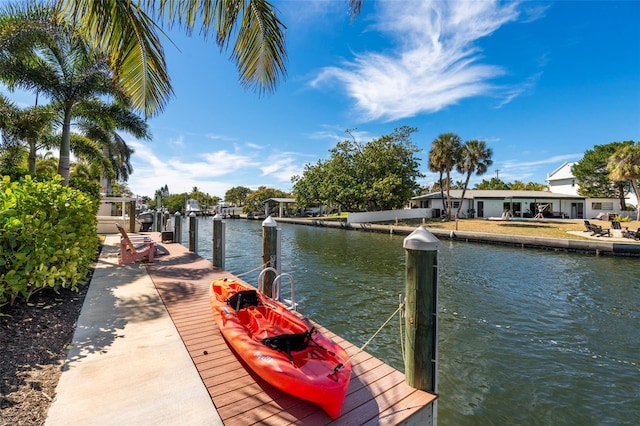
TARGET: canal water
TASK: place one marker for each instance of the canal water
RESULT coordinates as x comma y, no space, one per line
526,336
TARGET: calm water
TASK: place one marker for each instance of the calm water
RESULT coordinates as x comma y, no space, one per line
525,336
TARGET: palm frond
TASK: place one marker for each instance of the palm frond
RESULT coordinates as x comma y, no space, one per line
129,37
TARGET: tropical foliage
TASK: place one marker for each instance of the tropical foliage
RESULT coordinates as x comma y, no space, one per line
47,237
128,32
443,157
624,166
593,176
237,195
474,157
254,202
37,54
378,175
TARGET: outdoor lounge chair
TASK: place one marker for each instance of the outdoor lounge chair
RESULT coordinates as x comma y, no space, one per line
129,253
597,230
635,235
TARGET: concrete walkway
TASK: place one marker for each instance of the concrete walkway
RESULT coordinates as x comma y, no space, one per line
128,364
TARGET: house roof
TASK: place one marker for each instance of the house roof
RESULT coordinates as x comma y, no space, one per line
562,172
500,195
281,200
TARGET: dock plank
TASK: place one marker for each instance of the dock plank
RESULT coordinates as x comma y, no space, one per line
377,393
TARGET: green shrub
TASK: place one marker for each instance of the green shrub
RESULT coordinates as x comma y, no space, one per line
89,187
48,237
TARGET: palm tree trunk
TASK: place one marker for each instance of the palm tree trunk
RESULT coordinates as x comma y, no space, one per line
444,205
65,148
464,190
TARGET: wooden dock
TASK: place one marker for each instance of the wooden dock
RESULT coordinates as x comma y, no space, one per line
377,394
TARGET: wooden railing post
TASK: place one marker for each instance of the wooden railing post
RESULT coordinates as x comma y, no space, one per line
421,320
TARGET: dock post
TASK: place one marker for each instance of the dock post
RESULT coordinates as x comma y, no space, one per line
269,252
177,228
158,221
421,315
131,207
193,232
218,241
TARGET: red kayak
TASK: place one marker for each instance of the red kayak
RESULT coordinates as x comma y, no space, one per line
279,346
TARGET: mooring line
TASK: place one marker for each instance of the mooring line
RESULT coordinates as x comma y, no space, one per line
374,334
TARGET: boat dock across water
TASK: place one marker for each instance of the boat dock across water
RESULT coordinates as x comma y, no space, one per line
147,350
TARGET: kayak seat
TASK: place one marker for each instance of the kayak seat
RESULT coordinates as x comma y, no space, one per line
288,342
243,299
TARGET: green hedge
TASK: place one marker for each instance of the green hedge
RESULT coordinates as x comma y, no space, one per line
48,237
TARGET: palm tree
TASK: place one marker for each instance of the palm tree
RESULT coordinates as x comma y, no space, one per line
127,33
475,157
46,164
52,60
443,157
624,165
102,122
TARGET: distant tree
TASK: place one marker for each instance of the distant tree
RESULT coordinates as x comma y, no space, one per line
533,186
310,189
255,200
593,176
517,185
237,195
474,157
494,183
443,157
624,166
161,194
30,127
378,175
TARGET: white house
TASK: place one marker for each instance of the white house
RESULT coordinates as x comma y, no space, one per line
561,201
562,181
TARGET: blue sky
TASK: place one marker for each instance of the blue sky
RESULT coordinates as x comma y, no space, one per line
540,82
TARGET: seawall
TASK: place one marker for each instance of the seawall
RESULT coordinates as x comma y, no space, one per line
613,248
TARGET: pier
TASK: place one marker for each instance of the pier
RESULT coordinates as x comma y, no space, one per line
377,394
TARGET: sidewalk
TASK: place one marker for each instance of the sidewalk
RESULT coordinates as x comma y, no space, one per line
128,364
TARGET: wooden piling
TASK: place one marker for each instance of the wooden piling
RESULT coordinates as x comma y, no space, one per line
269,252
218,241
193,232
177,228
131,211
421,309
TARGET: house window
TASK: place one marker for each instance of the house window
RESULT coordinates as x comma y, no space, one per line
602,206
573,183
456,204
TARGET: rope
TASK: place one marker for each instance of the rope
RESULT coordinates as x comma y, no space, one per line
253,270
401,322
370,339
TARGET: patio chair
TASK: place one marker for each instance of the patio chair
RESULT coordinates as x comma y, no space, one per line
598,231
129,253
635,235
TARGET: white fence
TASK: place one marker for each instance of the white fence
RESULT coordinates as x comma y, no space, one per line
387,215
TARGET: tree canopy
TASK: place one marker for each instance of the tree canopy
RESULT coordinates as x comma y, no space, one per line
593,175
378,175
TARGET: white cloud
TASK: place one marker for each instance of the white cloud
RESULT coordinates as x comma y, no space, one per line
212,172
437,63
